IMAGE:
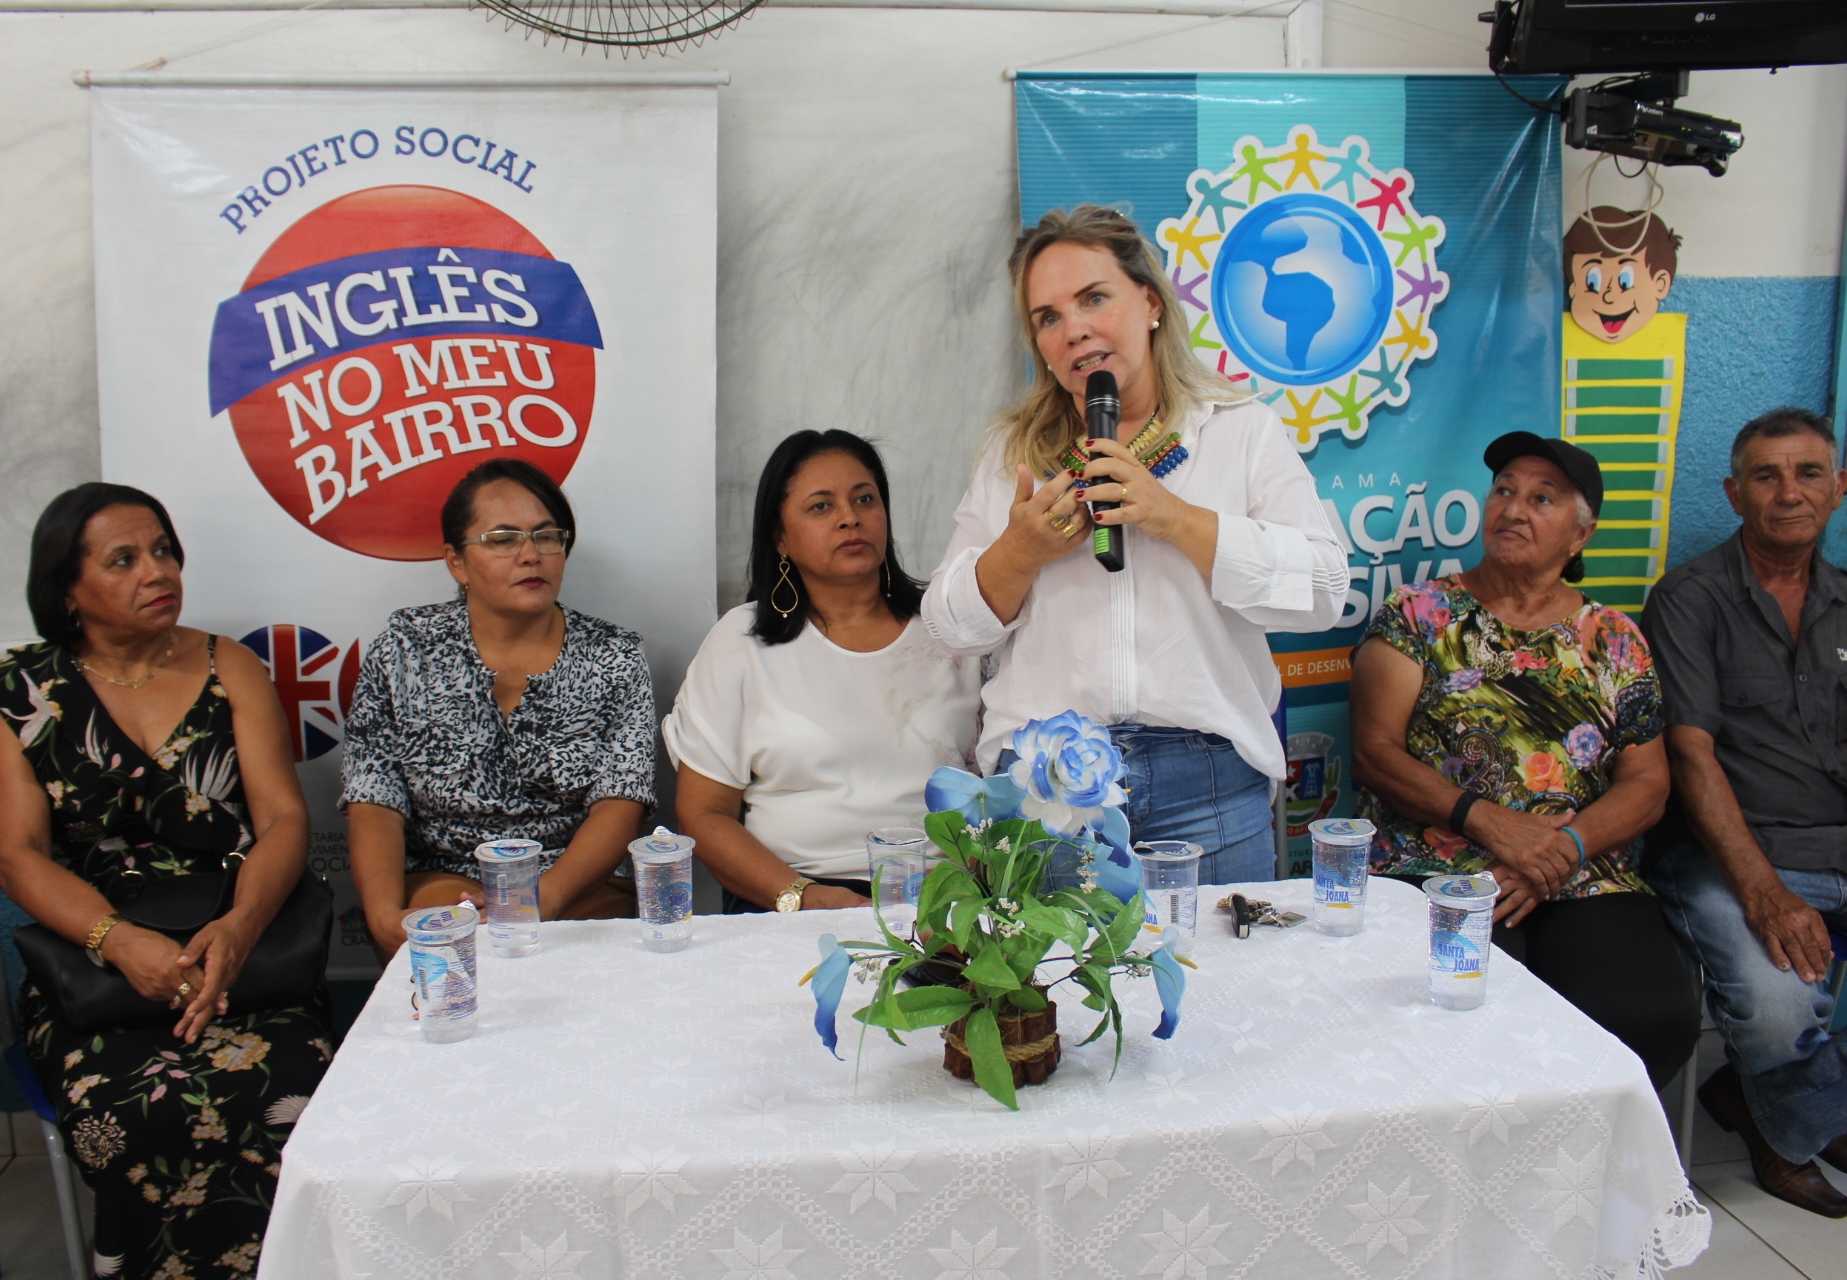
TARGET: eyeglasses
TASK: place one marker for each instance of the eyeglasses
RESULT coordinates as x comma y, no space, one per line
507,542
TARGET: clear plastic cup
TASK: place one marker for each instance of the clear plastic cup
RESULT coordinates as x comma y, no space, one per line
442,966
510,883
664,888
1170,883
1461,925
897,860
1342,851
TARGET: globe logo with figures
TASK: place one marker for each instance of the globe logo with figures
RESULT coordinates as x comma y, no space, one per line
1303,289
1307,273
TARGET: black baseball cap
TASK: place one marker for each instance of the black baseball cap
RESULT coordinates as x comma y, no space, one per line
1573,461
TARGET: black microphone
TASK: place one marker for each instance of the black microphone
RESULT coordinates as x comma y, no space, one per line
1102,411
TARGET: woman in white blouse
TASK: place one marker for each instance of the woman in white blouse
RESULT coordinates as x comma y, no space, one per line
815,713
1224,536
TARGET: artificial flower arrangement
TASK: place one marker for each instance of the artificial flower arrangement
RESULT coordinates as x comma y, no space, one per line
987,919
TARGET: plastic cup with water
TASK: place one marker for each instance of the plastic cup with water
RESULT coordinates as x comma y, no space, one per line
1342,851
897,860
510,883
664,888
1170,885
1461,924
442,966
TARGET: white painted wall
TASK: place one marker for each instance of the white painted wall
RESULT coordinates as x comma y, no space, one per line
867,201
1778,211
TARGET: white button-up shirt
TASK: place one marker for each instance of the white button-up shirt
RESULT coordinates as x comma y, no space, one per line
1156,644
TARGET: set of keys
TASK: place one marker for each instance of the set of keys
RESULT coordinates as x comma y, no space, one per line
1249,911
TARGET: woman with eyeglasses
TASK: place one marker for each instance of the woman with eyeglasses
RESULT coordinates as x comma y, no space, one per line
499,715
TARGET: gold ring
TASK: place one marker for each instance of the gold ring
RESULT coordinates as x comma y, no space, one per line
1062,524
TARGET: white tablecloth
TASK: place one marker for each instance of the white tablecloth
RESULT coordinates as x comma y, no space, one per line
622,1113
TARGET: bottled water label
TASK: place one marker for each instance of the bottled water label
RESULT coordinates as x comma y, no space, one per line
664,889
445,981
1461,927
1172,907
1342,849
664,897
510,884
1332,889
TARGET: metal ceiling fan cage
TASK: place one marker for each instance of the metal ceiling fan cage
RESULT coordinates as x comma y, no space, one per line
641,25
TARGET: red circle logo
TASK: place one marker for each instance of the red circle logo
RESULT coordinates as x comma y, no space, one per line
388,343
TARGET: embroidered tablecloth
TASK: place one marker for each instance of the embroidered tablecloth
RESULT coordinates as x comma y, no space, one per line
624,1113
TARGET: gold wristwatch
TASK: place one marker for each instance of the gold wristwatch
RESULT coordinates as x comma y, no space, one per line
93,945
790,899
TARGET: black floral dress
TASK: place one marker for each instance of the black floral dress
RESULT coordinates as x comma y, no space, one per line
181,1143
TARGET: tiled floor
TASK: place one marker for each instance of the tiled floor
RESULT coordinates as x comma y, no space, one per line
1754,1237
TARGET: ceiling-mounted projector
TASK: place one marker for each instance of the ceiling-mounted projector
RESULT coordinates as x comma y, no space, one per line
1661,40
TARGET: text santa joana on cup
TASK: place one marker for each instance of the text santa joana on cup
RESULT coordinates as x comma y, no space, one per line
386,344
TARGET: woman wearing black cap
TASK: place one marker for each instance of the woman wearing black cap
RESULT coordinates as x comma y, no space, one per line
1504,722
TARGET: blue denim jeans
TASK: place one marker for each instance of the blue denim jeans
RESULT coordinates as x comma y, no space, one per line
1187,785
1775,1025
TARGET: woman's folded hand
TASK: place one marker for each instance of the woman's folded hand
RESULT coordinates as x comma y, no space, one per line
1531,844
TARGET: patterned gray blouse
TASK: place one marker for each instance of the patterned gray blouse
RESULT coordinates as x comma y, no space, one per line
425,737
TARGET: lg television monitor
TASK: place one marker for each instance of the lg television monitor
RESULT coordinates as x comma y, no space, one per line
1585,36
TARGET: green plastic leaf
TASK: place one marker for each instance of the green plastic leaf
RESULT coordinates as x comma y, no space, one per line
1124,929
1027,998
945,829
1055,922
992,1071
990,969
964,915
932,1006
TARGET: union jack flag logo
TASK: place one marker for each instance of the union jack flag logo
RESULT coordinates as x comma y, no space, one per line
313,680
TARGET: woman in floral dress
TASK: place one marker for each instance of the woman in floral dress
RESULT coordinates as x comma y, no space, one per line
143,748
1503,722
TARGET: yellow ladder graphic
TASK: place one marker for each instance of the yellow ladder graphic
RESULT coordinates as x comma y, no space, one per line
1622,404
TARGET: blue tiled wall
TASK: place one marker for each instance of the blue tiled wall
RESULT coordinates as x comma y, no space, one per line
1753,343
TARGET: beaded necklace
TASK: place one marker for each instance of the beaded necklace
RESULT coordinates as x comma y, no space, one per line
1157,448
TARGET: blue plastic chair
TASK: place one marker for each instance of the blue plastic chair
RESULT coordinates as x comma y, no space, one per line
63,1177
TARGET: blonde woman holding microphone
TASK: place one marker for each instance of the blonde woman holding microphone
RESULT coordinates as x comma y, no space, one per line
1223,537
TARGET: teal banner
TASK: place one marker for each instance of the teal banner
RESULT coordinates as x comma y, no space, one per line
1376,256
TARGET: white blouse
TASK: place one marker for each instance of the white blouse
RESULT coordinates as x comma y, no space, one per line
1156,644
826,744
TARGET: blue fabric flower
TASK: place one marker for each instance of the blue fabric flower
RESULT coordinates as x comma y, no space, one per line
1069,771
1462,681
1583,746
830,979
1118,871
977,799
1169,983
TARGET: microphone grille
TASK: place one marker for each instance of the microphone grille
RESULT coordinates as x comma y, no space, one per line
1100,384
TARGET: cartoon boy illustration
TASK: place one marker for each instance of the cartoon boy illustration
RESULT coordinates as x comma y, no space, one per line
1613,296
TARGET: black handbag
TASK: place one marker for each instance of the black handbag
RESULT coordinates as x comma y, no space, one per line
284,968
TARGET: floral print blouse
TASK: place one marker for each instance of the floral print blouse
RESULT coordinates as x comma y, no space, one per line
117,810
1533,720
426,738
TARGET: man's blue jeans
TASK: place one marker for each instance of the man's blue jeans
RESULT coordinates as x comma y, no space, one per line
1775,1025
1187,785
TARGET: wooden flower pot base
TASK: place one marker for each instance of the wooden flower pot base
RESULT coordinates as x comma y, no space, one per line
1030,1041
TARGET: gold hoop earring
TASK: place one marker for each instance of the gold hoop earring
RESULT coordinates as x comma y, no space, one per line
795,594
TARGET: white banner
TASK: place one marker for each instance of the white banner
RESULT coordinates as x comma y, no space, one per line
320,305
